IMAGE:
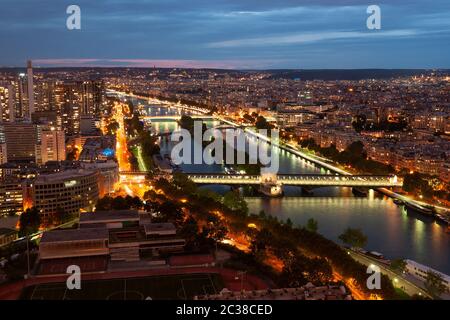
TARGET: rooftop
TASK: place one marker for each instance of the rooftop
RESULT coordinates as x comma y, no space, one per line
166,227
109,216
63,175
75,235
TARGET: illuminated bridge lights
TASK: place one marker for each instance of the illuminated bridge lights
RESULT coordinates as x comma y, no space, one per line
284,179
300,180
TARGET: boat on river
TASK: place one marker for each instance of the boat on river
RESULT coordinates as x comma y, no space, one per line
414,208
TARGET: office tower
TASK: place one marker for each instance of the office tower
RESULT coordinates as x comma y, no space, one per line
3,149
69,190
21,141
45,96
30,90
11,109
87,124
69,101
3,102
11,197
7,101
92,97
48,118
52,146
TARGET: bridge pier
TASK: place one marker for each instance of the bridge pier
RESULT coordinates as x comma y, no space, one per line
271,189
307,191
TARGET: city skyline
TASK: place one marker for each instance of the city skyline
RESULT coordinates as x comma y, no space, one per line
228,35
226,150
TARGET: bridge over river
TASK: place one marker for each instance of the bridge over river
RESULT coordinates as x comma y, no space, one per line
307,180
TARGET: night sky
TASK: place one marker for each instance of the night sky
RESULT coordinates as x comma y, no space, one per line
250,34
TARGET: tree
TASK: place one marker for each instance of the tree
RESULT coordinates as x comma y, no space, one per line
261,241
104,203
29,221
359,122
289,223
182,181
300,270
189,231
215,229
261,123
235,202
434,283
354,238
398,265
312,225
135,124
72,154
170,211
356,150
59,216
119,203
113,127
187,122
262,214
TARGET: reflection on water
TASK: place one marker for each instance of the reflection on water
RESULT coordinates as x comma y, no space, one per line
389,228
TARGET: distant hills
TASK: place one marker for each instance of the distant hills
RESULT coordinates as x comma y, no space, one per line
300,74
350,74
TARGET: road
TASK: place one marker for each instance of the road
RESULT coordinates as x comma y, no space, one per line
399,281
123,156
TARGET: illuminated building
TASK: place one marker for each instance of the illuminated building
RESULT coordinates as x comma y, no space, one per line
3,149
108,174
6,102
11,197
124,235
30,90
52,147
21,141
87,124
71,191
92,93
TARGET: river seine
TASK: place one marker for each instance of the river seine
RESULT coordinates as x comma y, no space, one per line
389,228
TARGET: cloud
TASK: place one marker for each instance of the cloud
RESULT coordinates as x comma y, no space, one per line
224,33
160,63
310,37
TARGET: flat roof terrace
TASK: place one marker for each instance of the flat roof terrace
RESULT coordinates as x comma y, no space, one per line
74,235
137,236
109,216
160,229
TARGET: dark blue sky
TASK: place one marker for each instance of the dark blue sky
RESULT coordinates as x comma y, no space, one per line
227,33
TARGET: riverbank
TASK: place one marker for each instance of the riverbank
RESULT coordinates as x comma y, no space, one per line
389,228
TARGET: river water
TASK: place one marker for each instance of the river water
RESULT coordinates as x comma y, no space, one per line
389,228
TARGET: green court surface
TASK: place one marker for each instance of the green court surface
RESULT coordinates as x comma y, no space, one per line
170,287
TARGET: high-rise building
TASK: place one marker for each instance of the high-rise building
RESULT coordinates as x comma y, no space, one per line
3,149
87,124
21,141
52,146
11,197
30,90
3,153
92,93
45,96
69,102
